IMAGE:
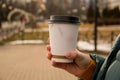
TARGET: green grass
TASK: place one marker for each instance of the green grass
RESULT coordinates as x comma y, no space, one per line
27,36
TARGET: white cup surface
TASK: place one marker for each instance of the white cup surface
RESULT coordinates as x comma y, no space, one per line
63,39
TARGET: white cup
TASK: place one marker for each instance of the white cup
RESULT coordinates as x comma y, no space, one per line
63,31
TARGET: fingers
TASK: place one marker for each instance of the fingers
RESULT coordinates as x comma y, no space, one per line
49,55
59,65
48,48
72,55
66,66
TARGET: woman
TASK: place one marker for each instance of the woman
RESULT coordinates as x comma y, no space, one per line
92,67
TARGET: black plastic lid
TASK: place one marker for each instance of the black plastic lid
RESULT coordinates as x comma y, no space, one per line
66,19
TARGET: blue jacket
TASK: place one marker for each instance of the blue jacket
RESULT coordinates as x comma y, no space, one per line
109,68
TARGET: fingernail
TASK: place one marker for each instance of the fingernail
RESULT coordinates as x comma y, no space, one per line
68,55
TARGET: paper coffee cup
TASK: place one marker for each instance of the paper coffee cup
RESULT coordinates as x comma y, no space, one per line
63,32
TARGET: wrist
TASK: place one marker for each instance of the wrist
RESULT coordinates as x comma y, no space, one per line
87,73
83,60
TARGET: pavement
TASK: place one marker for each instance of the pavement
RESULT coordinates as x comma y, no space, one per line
28,62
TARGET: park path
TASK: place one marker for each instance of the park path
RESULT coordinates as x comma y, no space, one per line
28,62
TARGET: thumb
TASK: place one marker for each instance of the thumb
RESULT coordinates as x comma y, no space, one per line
71,55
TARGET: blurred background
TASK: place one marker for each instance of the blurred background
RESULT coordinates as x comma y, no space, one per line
24,34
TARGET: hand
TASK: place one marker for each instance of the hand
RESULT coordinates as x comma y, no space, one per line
80,63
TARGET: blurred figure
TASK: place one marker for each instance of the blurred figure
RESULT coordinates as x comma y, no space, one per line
23,21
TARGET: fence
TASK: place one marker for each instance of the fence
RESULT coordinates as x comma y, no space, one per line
8,29
106,34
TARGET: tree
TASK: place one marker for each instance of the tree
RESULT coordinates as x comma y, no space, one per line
106,13
91,11
54,9
4,10
113,13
